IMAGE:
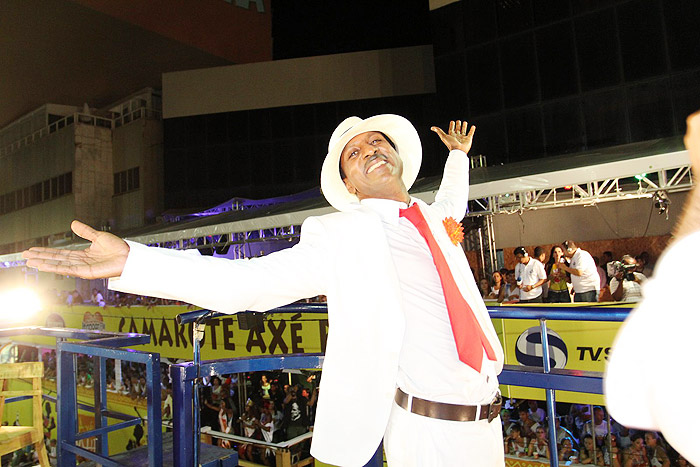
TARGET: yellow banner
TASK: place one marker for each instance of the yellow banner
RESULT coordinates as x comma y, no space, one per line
577,345
284,333
574,345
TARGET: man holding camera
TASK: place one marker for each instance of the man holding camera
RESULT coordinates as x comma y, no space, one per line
623,273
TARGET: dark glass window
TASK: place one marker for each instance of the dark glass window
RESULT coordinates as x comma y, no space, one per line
605,117
519,72
237,126
483,75
641,39
548,11
451,84
281,122
479,21
596,42
556,60
260,124
563,127
650,111
682,19
241,164
524,134
261,153
490,139
126,180
448,29
219,169
513,16
583,6
685,89
216,129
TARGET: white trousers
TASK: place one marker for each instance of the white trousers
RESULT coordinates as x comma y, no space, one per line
414,440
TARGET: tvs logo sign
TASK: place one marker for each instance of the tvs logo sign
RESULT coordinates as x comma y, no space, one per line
528,348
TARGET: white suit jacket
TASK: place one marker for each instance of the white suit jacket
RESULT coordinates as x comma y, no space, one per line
345,256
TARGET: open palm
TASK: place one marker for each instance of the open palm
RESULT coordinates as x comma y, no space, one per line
104,258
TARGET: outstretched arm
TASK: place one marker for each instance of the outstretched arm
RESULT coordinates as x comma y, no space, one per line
104,258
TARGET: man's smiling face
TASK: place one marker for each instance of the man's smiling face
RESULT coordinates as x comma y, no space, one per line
372,167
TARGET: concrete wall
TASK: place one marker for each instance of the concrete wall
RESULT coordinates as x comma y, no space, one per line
139,144
92,177
47,157
309,80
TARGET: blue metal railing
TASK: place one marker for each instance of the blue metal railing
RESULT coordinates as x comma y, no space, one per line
104,345
184,375
546,377
101,345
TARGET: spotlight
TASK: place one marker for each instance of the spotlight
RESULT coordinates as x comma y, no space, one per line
18,305
661,202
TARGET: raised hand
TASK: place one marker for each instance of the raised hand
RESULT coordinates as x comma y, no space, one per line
457,136
104,258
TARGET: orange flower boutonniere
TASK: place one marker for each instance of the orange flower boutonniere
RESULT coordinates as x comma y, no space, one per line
454,229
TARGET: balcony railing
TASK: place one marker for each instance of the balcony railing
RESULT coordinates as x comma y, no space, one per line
186,375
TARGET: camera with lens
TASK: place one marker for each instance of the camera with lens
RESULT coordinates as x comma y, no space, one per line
615,267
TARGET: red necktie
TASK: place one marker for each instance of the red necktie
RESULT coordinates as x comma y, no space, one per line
469,337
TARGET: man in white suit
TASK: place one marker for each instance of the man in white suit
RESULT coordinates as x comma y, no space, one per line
389,320
659,338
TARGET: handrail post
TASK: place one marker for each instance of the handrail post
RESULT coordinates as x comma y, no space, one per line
197,335
99,380
182,423
155,427
66,403
551,410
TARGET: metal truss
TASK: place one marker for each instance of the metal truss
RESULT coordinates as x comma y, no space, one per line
234,245
667,180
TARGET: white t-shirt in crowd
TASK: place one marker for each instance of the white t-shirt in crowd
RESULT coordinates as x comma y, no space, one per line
589,280
532,272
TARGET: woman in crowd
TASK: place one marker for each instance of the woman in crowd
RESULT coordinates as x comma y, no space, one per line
225,421
636,454
250,423
612,455
539,446
515,444
567,451
510,292
216,390
484,287
264,387
558,288
497,281
590,454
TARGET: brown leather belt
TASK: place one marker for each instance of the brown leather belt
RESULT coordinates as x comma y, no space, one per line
453,412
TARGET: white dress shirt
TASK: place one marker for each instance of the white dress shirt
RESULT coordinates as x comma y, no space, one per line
429,366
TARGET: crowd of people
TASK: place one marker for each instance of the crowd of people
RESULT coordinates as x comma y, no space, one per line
269,411
108,298
584,435
568,274
258,406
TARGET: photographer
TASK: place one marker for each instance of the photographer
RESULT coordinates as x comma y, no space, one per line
623,273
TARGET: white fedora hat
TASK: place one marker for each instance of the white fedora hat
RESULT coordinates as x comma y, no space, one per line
398,129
